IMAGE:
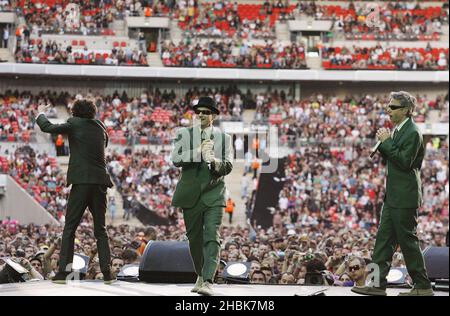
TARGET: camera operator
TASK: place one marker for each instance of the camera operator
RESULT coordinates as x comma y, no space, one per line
9,275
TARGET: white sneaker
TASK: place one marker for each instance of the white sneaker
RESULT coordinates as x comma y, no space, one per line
198,285
206,289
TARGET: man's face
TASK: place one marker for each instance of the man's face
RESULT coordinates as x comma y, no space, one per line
397,115
255,266
233,257
37,265
116,265
224,255
246,251
262,249
355,270
287,279
29,252
205,116
258,278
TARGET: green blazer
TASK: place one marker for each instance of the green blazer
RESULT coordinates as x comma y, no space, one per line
198,180
404,155
88,139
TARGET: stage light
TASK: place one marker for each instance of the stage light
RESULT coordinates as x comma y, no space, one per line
397,276
129,273
80,263
237,272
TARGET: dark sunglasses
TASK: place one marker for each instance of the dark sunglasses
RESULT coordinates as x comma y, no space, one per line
395,107
354,268
204,112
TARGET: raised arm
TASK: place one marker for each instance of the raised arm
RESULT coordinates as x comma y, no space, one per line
47,127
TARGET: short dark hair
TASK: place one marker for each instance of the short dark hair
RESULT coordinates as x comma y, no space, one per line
315,265
260,273
84,109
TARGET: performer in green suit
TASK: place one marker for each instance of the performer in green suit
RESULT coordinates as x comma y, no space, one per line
404,151
205,155
89,178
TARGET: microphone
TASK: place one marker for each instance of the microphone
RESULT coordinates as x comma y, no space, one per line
374,149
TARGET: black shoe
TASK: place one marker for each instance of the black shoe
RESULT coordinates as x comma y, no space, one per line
60,278
108,278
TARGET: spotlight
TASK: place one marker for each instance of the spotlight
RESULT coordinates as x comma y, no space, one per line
237,272
129,273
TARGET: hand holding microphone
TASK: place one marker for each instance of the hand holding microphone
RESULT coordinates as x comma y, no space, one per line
207,150
382,135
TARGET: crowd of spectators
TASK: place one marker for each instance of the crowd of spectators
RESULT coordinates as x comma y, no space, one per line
37,247
153,116
392,20
233,54
40,176
5,5
146,177
17,112
380,57
50,52
282,254
333,120
229,19
342,185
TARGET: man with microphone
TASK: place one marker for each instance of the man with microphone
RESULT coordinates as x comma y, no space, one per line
404,151
205,155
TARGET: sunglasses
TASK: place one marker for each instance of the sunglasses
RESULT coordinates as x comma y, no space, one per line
395,107
204,112
354,268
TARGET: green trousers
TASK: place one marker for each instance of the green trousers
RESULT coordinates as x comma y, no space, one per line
202,227
398,227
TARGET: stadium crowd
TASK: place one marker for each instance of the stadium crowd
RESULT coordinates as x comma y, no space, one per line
153,116
86,17
332,120
229,19
327,212
146,177
380,57
393,20
233,54
50,52
287,253
17,110
40,176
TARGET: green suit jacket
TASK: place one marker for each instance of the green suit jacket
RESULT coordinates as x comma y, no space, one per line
88,139
404,155
198,180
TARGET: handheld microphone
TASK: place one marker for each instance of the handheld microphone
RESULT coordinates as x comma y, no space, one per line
374,149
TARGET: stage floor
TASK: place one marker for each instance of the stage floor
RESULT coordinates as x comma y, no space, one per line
97,288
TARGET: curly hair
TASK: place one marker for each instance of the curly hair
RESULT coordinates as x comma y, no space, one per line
84,109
